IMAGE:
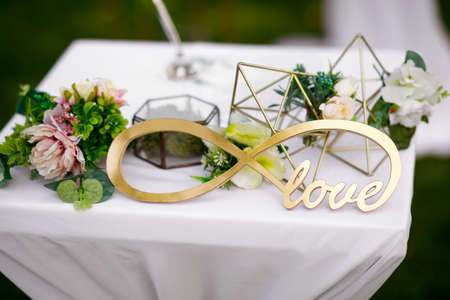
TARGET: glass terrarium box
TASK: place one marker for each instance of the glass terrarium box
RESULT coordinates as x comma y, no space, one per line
174,149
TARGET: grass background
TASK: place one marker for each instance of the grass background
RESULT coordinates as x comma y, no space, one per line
35,33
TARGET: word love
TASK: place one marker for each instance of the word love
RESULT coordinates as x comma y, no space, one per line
121,142
298,177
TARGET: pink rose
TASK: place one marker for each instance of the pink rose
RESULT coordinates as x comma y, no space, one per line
56,152
105,88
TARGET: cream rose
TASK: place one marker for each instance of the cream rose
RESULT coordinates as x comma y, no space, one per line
338,108
346,86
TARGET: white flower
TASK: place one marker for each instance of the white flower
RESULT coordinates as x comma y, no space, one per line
338,108
248,134
85,89
270,159
410,113
107,89
414,91
247,178
346,86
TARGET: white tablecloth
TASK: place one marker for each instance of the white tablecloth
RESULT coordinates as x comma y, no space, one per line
234,244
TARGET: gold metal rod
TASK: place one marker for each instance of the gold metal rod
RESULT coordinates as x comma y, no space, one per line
306,97
255,108
263,88
379,164
373,54
347,163
338,135
274,69
339,149
294,118
324,148
266,117
345,51
283,101
372,97
304,147
250,116
363,94
236,77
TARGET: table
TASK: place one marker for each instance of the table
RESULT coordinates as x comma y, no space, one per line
235,244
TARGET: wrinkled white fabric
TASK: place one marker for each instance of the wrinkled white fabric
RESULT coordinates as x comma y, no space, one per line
238,244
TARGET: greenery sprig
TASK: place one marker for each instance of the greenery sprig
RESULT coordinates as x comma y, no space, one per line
318,88
94,187
99,122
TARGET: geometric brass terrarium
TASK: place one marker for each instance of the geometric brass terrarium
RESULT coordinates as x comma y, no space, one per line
275,112
174,149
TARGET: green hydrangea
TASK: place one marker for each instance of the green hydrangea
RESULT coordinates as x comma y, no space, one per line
99,122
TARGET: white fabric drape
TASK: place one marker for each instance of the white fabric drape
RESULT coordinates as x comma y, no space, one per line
234,244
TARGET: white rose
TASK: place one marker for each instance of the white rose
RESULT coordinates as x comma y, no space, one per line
85,88
410,113
411,83
346,86
338,108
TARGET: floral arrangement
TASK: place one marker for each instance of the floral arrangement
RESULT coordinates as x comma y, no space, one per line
66,135
332,96
245,134
407,97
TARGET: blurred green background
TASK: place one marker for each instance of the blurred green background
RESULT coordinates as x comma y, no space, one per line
35,33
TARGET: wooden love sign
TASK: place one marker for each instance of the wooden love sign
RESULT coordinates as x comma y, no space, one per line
120,143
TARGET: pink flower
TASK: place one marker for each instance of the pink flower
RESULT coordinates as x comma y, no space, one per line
60,118
105,88
56,152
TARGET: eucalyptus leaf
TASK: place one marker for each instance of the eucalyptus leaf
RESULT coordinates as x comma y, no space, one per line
67,191
401,135
95,173
102,177
92,190
416,58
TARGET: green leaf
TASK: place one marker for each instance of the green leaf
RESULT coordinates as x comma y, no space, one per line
425,119
381,112
401,135
5,174
33,174
416,58
54,185
33,104
92,190
16,148
67,191
202,179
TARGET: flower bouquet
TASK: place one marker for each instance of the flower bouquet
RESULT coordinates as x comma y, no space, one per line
65,136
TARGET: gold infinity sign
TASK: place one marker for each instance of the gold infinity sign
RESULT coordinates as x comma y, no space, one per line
121,142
